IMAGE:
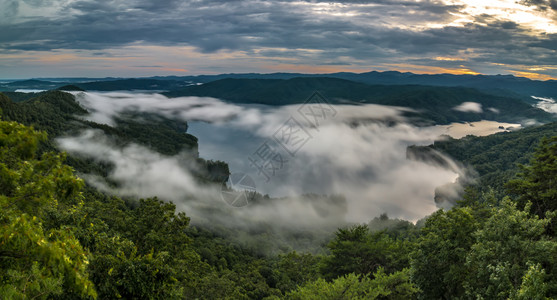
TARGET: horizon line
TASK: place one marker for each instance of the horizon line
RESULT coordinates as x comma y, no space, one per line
271,73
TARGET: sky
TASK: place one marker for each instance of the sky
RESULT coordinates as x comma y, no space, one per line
135,38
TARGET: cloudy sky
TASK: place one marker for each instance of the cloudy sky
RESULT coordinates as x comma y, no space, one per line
98,38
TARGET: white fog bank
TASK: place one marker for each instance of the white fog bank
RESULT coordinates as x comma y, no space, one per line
358,152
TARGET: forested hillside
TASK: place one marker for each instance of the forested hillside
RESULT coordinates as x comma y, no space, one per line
434,97
57,113
434,104
496,158
63,239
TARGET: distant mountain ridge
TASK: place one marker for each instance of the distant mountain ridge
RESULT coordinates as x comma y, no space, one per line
495,84
520,85
434,97
101,85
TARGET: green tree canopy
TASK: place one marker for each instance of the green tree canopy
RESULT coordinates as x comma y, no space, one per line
537,182
357,250
37,263
383,286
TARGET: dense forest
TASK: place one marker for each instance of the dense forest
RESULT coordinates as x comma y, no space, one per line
61,238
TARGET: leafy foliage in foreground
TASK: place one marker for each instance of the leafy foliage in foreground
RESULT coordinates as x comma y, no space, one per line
393,286
61,241
536,182
37,262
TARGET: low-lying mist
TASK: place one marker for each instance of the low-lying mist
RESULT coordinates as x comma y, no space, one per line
356,153
547,104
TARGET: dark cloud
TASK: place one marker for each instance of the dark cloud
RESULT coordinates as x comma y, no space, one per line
542,5
10,8
351,30
509,25
208,25
38,2
549,43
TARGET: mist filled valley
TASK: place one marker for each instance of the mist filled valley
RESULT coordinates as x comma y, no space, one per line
356,152
258,149
312,193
